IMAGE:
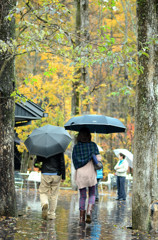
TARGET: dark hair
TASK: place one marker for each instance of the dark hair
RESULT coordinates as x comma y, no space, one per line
122,155
84,135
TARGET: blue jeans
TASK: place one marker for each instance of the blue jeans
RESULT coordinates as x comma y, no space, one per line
121,187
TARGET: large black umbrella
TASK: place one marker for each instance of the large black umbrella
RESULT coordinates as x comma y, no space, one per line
96,124
47,141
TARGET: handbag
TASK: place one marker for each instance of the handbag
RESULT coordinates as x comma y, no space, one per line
97,164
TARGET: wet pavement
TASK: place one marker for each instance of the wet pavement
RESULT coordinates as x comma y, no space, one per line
111,219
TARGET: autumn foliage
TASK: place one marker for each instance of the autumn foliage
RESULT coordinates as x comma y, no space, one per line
47,59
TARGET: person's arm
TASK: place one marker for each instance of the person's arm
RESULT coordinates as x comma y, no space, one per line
98,157
94,158
123,167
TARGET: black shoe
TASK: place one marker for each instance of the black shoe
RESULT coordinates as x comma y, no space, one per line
121,199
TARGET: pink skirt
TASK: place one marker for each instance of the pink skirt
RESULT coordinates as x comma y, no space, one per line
86,176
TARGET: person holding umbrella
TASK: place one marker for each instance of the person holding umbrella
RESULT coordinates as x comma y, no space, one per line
85,175
121,169
53,172
49,143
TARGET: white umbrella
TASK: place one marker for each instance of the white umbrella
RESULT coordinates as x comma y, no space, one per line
128,154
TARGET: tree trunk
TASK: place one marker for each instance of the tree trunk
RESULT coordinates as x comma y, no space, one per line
24,162
75,85
84,7
7,83
81,75
145,143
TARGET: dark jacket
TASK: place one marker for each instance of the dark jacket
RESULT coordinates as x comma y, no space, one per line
53,164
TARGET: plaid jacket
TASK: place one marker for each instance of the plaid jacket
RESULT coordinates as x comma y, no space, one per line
82,153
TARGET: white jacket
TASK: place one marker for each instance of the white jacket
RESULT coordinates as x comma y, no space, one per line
121,169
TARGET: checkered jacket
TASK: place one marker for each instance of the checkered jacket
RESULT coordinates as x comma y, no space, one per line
82,153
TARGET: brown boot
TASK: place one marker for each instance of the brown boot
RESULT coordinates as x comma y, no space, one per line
44,211
82,218
89,213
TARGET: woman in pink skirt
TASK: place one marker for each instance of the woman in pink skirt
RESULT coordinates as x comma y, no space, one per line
85,175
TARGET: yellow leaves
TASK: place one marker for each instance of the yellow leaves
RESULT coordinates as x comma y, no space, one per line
68,169
44,56
52,91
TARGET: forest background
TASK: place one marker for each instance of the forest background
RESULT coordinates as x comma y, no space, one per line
51,56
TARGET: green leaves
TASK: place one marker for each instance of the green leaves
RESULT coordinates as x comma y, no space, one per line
125,90
50,72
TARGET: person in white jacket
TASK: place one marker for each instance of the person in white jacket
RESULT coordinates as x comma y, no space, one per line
121,171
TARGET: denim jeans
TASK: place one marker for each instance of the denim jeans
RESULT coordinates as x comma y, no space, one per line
121,187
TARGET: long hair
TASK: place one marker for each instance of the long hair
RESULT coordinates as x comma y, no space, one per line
84,135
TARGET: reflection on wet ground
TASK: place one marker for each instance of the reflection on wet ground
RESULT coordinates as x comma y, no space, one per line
110,219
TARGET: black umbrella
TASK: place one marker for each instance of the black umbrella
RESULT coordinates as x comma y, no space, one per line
96,124
47,141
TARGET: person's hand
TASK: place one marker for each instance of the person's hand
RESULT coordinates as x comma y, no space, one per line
98,157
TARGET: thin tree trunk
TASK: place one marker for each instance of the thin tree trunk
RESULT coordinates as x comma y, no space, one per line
24,162
81,74
145,143
84,7
75,85
7,84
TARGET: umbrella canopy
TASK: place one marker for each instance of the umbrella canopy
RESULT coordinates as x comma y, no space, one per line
95,123
47,141
128,154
